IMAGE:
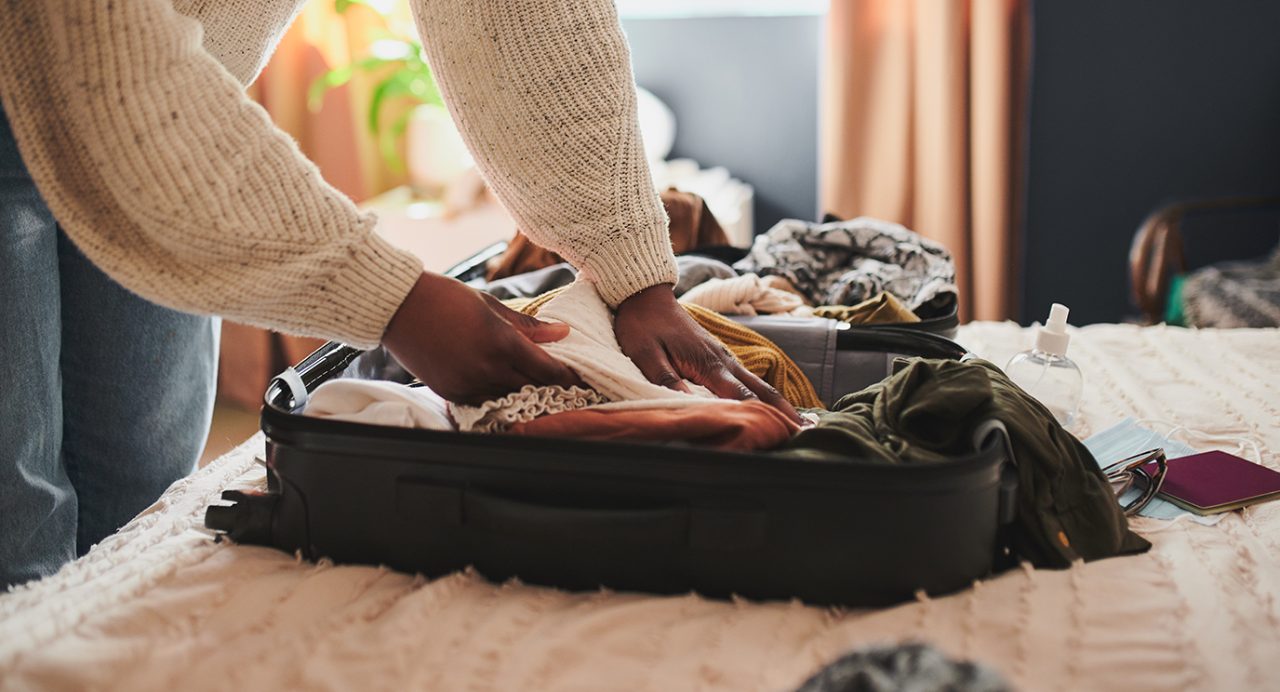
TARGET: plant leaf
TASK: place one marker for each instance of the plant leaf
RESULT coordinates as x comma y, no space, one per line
337,77
329,80
387,142
395,85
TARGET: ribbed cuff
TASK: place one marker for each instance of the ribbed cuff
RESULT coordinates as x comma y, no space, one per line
628,264
368,291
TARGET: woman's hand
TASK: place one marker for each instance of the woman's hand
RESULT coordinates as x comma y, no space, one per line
467,346
669,347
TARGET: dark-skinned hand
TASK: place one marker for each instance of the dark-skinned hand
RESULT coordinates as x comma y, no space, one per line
468,347
669,347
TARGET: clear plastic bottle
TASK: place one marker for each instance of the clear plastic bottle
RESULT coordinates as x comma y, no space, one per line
1046,373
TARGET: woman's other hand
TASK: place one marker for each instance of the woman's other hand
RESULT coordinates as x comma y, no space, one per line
669,347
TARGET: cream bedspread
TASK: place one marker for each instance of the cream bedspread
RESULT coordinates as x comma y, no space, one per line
159,605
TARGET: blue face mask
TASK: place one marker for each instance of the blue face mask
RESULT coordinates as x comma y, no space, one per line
1126,438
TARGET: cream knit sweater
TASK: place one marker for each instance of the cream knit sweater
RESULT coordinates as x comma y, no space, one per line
131,117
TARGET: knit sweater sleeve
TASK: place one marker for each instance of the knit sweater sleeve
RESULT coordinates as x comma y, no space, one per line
181,189
241,34
543,95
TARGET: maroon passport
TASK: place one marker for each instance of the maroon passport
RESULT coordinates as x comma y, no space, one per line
1213,482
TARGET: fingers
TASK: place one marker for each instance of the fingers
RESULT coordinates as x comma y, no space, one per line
728,379
723,383
657,368
767,393
540,368
529,326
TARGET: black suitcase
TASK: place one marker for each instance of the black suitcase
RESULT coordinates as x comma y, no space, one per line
666,519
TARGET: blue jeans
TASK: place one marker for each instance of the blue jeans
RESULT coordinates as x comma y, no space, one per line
105,398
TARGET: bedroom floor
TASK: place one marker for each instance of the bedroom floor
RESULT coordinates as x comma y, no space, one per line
231,425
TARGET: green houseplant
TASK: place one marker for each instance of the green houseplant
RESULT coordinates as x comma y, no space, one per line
399,67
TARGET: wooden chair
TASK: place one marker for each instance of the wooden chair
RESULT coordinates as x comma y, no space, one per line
1157,253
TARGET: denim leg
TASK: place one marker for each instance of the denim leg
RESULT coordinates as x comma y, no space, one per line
138,383
37,502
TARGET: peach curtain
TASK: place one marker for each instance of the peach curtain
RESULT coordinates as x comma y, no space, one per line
336,138
922,123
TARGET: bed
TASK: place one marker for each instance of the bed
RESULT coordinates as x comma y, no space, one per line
160,605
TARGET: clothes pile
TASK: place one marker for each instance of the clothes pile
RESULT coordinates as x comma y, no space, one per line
859,271
619,402
848,262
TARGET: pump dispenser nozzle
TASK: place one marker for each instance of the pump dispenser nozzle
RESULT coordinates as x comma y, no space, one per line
1046,373
1053,337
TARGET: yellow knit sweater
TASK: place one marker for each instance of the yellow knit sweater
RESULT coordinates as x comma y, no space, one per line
131,117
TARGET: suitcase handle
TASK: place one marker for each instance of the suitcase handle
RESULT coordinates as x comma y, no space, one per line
655,527
670,527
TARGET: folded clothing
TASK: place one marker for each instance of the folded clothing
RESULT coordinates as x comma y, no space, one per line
726,425
927,413
615,383
882,309
592,351
378,402
757,354
847,262
745,295
783,284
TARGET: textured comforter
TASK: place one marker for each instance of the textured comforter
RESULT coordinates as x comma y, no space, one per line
161,605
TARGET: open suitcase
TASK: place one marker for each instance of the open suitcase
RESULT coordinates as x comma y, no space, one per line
667,519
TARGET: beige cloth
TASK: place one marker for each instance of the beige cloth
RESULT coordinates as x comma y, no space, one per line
922,120
377,402
592,351
161,606
782,283
143,144
745,295
757,354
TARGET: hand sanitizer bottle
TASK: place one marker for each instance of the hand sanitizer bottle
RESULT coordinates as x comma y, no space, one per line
1046,373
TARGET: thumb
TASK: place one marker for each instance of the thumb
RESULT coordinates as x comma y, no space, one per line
529,326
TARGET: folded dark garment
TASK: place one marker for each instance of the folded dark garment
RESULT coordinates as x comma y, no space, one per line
532,284
695,270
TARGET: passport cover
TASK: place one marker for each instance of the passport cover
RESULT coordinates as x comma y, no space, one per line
1216,481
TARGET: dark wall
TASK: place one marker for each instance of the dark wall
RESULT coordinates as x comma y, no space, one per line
1133,103
745,94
